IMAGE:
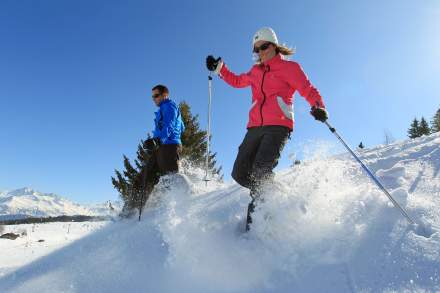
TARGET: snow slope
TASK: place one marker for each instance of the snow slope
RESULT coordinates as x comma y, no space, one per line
26,202
29,246
323,227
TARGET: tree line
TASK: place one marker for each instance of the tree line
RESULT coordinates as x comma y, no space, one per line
417,128
421,127
34,220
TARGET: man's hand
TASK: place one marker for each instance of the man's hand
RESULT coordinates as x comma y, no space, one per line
152,144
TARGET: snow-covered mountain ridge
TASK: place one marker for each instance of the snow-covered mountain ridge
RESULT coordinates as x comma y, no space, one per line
323,227
26,202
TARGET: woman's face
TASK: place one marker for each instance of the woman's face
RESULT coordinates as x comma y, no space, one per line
265,50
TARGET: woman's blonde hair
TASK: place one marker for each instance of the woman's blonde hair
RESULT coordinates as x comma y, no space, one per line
279,49
284,50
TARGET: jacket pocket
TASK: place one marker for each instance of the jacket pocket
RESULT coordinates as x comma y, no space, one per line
286,109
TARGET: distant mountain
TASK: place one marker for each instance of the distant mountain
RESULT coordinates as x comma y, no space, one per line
26,202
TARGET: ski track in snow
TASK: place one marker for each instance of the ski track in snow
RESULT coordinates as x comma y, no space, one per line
323,227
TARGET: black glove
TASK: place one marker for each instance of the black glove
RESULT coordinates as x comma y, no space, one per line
152,144
319,113
212,63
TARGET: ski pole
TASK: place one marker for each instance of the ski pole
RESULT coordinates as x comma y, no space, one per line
208,139
142,190
395,203
141,205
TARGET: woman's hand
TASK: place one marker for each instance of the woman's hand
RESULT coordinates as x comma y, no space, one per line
319,113
212,64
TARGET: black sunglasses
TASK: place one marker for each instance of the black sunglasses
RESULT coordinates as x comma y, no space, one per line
262,47
155,96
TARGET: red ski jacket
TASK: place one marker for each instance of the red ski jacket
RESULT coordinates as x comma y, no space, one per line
273,86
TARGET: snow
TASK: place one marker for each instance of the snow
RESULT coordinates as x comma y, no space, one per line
323,227
27,248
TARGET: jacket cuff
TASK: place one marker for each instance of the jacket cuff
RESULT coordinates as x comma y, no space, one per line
219,67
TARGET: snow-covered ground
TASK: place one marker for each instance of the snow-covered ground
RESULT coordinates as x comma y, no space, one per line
323,227
29,246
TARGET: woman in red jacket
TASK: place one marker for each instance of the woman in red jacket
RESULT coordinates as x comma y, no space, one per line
273,81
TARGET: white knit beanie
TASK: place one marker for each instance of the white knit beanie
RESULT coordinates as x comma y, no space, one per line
265,34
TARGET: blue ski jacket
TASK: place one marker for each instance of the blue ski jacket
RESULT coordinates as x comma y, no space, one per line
168,123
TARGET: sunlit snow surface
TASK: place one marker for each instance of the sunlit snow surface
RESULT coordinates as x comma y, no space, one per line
323,227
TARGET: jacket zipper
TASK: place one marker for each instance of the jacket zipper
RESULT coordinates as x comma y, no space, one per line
264,94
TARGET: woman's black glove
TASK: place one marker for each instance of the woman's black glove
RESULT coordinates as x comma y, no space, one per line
319,113
212,63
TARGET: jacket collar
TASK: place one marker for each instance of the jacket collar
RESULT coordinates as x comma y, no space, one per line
275,59
165,101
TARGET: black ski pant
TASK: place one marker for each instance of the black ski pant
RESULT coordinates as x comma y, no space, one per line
258,155
164,160
167,158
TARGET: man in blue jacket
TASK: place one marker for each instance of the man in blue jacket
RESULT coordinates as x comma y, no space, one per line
165,146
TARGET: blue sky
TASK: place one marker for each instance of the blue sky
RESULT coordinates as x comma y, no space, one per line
76,78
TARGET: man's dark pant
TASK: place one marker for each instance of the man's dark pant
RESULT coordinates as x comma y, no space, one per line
167,158
258,155
164,160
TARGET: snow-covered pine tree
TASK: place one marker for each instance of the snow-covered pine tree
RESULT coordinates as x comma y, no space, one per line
424,128
414,130
435,122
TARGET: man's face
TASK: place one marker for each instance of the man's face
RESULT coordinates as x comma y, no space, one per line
157,97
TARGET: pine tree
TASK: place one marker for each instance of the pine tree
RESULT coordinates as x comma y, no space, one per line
424,128
414,130
130,183
435,122
194,141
